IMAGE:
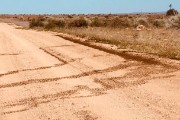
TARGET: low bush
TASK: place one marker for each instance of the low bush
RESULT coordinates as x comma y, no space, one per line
172,12
96,22
143,22
36,23
159,23
121,23
81,22
55,24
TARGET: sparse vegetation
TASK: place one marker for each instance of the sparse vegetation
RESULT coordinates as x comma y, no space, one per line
108,21
159,41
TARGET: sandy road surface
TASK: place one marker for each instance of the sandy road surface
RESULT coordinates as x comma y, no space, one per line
44,77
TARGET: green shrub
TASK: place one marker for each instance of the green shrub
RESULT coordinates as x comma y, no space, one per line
97,22
81,22
36,23
171,12
159,23
121,23
60,23
55,24
143,22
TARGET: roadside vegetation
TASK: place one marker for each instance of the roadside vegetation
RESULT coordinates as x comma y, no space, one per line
161,42
162,38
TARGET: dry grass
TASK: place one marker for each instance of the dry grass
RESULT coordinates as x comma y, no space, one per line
162,42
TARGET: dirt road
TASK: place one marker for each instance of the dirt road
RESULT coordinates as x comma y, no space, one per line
45,77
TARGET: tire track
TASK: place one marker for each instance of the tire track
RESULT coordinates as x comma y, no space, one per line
9,54
34,69
107,84
118,82
58,56
33,102
60,46
84,74
140,75
139,72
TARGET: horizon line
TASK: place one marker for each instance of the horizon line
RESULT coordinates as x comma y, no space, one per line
82,13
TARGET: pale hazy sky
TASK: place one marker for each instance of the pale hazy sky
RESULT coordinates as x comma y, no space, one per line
84,6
